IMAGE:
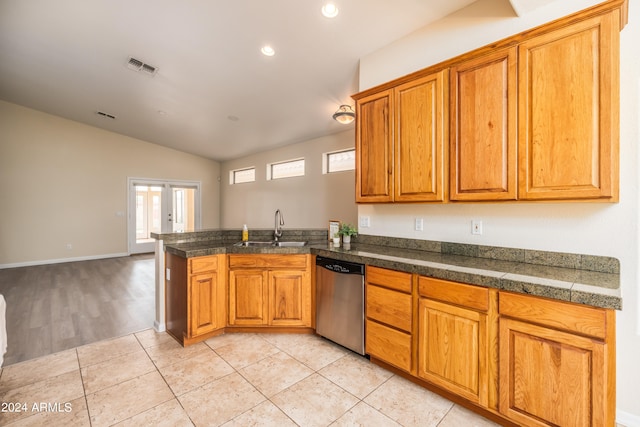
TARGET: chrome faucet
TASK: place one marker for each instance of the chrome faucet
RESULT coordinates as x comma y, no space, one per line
277,233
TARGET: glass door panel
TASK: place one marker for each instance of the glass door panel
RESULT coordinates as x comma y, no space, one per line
160,207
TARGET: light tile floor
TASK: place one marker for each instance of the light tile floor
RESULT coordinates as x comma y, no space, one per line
148,379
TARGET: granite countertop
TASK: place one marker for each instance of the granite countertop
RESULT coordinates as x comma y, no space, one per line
594,288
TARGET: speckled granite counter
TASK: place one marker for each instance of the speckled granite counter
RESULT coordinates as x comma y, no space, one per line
583,279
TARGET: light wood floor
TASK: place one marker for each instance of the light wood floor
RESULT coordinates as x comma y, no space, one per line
61,306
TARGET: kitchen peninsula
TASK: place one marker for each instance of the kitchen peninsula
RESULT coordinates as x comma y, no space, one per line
481,317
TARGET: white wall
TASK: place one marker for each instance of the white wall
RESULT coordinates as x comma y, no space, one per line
306,202
597,228
63,182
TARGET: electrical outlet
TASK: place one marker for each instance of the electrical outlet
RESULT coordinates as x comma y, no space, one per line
476,227
365,222
419,224
69,246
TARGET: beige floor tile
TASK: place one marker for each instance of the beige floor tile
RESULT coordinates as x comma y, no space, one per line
150,338
115,371
229,338
62,389
104,350
218,402
365,416
462,417
408,403
245,352
201,369
287,341
265,414
74,414
168,414
314,401
315,352
14,376
127,399
356,374
275,373
171,352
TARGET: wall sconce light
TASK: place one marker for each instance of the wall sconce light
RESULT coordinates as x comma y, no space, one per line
344,114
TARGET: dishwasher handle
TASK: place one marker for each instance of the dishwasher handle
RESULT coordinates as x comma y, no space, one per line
337,266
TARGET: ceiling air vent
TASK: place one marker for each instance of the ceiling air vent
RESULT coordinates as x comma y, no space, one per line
137,65
107,115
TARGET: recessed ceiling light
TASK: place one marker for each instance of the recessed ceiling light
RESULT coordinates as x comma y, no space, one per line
268,51
330,10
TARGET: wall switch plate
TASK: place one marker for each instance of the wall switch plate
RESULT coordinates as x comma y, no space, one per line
419,224
69,246
476,227
365,221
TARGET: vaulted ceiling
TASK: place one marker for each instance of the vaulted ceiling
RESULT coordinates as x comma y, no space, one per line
214,93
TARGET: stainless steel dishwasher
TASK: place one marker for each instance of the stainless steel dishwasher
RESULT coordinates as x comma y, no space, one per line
340,302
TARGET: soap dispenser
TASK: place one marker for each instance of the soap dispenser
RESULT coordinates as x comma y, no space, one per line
245,233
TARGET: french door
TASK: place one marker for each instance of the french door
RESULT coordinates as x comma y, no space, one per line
160,206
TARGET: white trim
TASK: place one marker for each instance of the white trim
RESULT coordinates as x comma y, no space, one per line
627,419
62,260
160,322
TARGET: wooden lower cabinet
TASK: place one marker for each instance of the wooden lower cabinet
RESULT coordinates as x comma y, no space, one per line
389,312
557,363
270,290
195,297
289,298
454,337
521,359
248,293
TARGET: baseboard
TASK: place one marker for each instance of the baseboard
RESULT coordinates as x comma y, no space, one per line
159,327
627,420
62,260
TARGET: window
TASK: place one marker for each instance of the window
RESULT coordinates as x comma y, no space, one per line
240,176
339,161
287,169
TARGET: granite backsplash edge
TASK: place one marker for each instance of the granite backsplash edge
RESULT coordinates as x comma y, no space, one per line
601,264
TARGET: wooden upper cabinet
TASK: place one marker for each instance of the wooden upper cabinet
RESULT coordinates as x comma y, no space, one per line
568,116
374,148
483,145
420,134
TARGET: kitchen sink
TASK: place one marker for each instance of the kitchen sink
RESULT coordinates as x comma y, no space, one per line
289,244
258,244
254,243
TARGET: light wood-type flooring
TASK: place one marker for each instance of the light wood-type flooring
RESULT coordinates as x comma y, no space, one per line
56,307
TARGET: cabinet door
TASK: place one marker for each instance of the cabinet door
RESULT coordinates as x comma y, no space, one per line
248,291
420,134
289,298
452,349
388,344
568,116
374,148
203,303
551,378
483,128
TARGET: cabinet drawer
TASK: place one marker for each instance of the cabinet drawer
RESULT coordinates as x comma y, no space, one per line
389,345
268,261
202,264
390,307
555,314
455,293
389,279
